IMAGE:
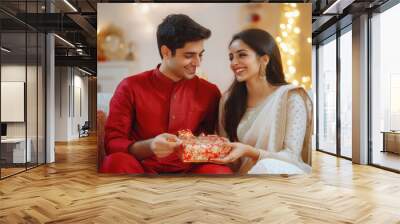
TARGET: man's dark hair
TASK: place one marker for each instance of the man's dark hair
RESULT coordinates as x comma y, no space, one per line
178,29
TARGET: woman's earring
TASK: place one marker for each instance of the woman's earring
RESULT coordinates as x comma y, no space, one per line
262,72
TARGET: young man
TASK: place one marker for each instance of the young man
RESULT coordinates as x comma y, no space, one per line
148,109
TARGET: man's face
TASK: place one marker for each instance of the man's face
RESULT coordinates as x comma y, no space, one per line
186,60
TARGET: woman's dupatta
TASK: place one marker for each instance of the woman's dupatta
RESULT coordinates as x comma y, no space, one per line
269,136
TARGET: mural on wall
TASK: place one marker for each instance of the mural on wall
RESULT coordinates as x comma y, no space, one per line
156,117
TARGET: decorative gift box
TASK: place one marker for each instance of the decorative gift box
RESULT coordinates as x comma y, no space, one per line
203,148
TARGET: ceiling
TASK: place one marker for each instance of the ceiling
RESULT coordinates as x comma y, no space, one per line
76,24
332,15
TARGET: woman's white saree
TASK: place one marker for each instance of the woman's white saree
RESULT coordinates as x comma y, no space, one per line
281,128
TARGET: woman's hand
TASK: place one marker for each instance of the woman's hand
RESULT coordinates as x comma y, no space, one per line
238,150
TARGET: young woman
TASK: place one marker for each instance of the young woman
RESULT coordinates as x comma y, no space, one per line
268,120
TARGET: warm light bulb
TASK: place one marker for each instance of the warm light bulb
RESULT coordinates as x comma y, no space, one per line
295,13
289,62
284,47
292,51
296,30
305,79
284,34
295,82
279,39
290,20
293,5
292,69
309,40
283,26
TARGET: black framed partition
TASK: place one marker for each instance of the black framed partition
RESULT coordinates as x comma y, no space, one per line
326,95
378,79
384,87
345,91
333,87
23,89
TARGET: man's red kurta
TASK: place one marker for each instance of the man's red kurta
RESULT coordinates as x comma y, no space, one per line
148,104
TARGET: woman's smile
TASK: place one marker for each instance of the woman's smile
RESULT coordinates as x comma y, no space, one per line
239,70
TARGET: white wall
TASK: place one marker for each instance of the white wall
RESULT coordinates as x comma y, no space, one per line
81,84
14,73
68,83
61,103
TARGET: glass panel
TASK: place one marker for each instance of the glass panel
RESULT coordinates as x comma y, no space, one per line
314,93
13,85
386,89
31,98
32,87
23,81
346,94
41,98
327,97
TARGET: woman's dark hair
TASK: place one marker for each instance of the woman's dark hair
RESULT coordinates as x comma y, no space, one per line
235,106
178,29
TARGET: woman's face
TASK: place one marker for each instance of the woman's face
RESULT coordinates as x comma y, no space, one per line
245,62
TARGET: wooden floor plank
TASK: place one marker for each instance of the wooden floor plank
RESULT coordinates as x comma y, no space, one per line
71,191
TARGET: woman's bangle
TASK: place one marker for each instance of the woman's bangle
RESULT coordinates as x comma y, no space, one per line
259,155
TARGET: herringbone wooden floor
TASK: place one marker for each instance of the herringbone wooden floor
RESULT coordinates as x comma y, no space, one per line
71,191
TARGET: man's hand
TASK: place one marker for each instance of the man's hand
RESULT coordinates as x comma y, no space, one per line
164,144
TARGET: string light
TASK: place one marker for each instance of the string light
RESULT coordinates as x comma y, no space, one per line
284,47
292,69
288,42
305,79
